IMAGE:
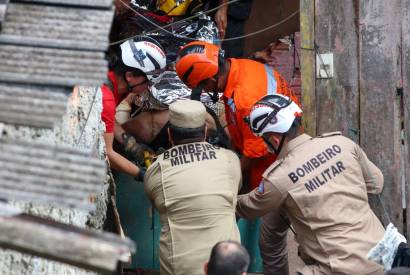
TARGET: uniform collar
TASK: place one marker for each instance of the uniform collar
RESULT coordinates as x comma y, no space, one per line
232,78
293,144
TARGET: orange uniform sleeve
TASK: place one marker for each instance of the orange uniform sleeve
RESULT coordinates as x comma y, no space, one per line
253,146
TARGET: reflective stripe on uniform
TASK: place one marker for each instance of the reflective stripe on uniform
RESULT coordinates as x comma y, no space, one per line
272,85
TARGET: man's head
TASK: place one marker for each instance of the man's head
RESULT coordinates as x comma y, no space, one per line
186,122
275,117
201,64
228,258
138,57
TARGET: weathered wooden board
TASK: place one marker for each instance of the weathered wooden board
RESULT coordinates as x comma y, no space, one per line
28,105
379,109
3,9
46,66
56,27
48,174
92,250
405,51
88,3
337,98
307,38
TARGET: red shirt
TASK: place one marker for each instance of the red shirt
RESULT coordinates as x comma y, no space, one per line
110,100
248,81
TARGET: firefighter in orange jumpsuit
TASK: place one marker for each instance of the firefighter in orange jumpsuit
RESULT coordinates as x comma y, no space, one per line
242,82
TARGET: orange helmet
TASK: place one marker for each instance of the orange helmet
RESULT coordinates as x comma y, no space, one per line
196,62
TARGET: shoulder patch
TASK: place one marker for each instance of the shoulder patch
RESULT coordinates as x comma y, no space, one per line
261,187
330,134
272,167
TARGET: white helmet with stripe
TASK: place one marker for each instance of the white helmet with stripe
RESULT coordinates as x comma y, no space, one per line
273,114
143,53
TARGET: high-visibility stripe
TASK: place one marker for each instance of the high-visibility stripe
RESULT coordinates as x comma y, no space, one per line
272,85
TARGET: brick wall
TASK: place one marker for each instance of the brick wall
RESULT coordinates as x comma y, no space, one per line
285,59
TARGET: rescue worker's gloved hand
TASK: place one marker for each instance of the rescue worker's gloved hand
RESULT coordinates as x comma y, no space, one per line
141,174
135,149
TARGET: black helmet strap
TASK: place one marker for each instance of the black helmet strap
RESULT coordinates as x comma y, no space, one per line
270,145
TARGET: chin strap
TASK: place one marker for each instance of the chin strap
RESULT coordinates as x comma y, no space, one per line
270,145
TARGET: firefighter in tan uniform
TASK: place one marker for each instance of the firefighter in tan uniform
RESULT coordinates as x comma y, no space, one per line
194,186
322,185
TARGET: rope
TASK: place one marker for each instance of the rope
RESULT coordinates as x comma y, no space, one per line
195,16
384,208
262,30
162,28
188,18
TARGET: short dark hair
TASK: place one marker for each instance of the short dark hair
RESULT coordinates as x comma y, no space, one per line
181,135
399,271
228,258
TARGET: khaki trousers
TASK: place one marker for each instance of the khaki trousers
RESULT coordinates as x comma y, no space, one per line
321,270
273,243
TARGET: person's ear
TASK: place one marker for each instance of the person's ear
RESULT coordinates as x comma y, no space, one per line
274,139
206,268
128,76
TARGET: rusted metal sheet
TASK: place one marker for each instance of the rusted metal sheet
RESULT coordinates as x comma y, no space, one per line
36,106
307,38
46,66
379,109
3,9
57,26
405,58
88,3
43,173
84,248
337,98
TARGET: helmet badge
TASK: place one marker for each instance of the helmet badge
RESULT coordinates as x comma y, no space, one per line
139,57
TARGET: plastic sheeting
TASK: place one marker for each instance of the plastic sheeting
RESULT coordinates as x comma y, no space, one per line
167,88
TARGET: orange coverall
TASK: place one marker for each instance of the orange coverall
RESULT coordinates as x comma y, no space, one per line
248,81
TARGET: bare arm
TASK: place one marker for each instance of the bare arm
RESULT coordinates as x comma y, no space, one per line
117,161
118,133
221,18
122,115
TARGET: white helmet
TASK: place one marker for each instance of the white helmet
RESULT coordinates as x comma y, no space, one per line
273,114
143,53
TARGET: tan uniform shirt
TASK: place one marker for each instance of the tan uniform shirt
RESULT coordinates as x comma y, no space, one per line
323,183
194,186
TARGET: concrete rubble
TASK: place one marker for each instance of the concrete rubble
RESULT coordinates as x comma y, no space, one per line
82,104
